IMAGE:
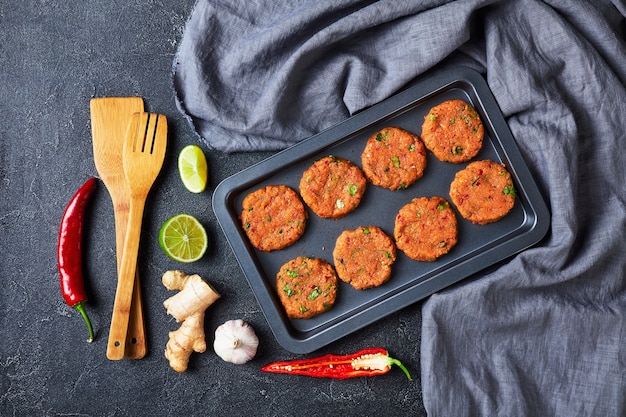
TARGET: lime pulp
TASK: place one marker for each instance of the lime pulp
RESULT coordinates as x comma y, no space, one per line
192,167
183,238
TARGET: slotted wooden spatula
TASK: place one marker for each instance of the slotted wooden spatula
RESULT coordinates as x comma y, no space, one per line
143,156
109,121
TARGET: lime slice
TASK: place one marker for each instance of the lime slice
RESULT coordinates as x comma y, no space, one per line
192,167
183,238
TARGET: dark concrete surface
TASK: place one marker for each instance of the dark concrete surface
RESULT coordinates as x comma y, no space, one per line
56,56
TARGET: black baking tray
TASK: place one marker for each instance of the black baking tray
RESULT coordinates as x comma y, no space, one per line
479,246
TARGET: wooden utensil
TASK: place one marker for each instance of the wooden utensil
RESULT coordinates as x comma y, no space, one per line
109,121
142,156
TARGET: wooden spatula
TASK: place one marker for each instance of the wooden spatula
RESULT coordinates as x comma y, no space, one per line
143,156
109,121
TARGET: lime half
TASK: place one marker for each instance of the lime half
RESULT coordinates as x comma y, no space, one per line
192,167
183,238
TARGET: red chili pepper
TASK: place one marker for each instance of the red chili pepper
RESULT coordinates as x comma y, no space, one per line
69,252
367,362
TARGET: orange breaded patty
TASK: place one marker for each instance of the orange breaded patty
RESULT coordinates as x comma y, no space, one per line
363,257
453,131
393,158
483,192
273,217
426,228
306,287
332,187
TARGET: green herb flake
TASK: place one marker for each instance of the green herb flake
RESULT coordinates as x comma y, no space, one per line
366,231
452,121
247,225
442,206
303,309
457,150
412,147
288,291
353,189
432,117
314,294
396,161
291,273
509,190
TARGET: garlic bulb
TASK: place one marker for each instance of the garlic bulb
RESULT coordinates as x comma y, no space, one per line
235,341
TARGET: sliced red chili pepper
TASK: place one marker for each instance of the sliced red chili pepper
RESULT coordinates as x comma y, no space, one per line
69,252
366,362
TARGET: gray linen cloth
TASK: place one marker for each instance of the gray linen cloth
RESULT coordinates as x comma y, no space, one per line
543,334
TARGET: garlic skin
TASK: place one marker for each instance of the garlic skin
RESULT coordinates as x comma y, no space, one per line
235,342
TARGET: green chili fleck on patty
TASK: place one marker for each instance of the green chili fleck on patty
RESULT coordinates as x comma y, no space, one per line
509,190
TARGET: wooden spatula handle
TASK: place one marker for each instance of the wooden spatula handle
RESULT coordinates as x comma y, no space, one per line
126,282
136,345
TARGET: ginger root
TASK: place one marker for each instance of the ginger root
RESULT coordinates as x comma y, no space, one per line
187,306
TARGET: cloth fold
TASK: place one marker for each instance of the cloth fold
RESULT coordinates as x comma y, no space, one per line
543,333
265,75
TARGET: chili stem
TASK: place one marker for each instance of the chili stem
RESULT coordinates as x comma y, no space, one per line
81,309
400,365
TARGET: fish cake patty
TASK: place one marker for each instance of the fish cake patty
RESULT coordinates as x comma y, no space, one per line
363,257
453,131
393,158
426,228
332,187
273,217
483,192
306,287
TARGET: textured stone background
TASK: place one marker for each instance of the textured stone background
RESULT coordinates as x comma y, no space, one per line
55,57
